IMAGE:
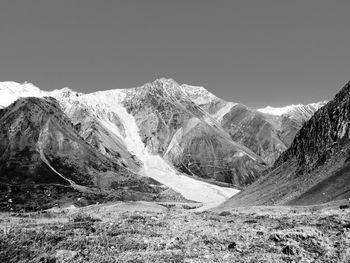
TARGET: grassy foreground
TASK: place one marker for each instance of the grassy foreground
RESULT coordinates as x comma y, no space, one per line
150,232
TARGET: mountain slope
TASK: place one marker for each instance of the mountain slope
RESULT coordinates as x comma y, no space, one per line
267,132
315,167
333,187
43,160
258,132
172,125
107,109
291,118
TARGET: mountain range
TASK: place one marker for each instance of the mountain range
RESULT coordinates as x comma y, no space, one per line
315,168
160,140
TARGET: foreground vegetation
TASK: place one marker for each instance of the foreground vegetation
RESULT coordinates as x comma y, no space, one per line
169,232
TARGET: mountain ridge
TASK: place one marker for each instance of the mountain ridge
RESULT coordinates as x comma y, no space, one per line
172,133
216,107
190,90
315,168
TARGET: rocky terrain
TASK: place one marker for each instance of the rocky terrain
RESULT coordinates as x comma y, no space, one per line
315,167
167,232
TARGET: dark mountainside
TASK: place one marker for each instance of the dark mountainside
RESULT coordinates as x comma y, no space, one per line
315,168
44,161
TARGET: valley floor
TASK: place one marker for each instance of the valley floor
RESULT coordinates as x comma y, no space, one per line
177,232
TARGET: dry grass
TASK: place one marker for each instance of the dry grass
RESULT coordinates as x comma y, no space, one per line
147,232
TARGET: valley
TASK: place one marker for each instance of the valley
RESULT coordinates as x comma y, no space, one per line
174,131
171,173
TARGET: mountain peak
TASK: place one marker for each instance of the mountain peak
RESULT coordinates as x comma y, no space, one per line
165,81
11,91
64,93
16,87
292,108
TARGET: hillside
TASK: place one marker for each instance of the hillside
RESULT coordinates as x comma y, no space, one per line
45,161
315,167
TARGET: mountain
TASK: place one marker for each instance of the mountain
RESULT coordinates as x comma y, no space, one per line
295,111
182,136
267,132
315,168
291,118
258,132
173,126
11,91
103,122
264,135
43,161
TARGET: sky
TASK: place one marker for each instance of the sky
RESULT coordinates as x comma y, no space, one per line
258,53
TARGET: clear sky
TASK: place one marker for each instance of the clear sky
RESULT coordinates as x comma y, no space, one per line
258,53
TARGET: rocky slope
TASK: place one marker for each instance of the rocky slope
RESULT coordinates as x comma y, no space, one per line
315,167
267,132
173,126
291,118
255,130
44,159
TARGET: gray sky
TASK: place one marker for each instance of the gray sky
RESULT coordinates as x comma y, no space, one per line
258,53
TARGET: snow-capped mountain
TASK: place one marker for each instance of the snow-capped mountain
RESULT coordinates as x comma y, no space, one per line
11,91
296,111
172,133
